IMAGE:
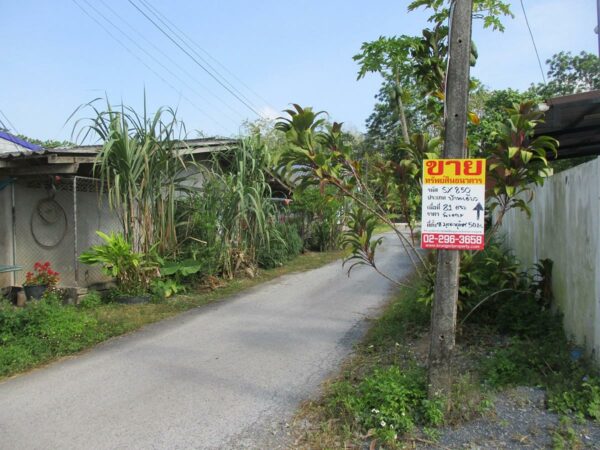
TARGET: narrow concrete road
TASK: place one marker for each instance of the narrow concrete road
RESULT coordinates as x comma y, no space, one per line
226,376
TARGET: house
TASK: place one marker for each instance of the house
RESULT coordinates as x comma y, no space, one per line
51,206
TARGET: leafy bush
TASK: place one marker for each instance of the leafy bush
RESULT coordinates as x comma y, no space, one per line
319,214
166,288
132,270
199,233
581,397
495,291
285,244
231,217
390,402
91,300
41,330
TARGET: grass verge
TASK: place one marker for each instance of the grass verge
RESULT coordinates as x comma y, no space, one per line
379,398
47,330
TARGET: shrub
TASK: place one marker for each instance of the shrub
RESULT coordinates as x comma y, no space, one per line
285,244
389,401
132,270
320,215
92,299
41,330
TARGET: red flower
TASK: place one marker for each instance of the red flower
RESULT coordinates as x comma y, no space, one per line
42,275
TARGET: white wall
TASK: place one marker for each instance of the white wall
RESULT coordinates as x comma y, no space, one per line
6,256
91,216
565,227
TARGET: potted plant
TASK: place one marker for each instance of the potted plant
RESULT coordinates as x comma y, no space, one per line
37,282
132,271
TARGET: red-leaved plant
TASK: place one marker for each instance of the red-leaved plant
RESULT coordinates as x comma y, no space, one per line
42,275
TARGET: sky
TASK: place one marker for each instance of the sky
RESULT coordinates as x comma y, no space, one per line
56,57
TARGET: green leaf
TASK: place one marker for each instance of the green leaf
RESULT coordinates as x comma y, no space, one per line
526,156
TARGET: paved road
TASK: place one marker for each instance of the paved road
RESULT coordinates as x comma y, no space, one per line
225,376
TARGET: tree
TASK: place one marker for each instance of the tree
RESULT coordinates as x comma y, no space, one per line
492,109
570,74
388,56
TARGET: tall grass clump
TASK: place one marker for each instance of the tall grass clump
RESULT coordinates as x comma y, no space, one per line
232,219
140,166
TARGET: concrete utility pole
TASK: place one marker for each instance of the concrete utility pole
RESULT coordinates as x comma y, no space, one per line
443,318
598,24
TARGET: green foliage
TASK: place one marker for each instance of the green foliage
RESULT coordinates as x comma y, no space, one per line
180,269
359,239
200,234
287,246
490,11
166,288
570,74
48,144
140,166
41,330
132,270
318,155
396,185
519,160
544,360
493,111
232,217
565,437
319,214
482,273
389,402
92,299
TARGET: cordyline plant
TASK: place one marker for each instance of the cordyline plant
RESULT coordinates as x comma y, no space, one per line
316,154
518,162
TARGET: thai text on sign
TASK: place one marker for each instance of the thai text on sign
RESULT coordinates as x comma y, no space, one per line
453,204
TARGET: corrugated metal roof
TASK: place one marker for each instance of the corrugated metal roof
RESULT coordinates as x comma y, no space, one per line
13,144
575,121
192,146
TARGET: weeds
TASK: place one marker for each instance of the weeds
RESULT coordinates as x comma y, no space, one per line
46,330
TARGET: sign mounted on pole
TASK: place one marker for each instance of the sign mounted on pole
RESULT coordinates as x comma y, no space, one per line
453,204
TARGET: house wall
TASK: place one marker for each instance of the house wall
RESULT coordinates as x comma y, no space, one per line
5,233
80,228
565,227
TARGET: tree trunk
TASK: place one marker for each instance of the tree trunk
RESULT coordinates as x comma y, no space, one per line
443,316
401,112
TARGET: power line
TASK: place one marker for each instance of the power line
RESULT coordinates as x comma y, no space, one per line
537,54
227,88
178,91
9,122
165,55
191,44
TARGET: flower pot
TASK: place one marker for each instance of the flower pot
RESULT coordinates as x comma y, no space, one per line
133,299
35,292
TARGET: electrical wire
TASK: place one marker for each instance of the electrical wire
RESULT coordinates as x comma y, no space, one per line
12,127
173,62
178,91
227,88
183,37
537,54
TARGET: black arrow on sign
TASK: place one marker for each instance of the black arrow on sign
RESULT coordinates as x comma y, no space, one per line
478,208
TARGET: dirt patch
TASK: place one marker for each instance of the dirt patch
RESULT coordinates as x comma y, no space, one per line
518,420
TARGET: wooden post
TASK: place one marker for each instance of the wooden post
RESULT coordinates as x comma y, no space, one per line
443,316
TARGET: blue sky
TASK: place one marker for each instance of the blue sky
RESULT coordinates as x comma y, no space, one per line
56,58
